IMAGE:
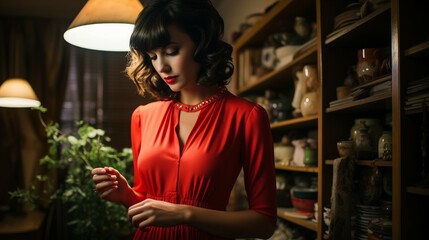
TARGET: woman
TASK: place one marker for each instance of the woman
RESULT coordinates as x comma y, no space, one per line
190,145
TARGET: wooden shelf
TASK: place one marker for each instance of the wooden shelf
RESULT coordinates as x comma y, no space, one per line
364,28
371,103
371,163
297,169
281,77
374,82
275,20
414,111
307,223
295,123
418,191
421,49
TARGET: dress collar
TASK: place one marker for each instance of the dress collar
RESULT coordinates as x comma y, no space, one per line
204,103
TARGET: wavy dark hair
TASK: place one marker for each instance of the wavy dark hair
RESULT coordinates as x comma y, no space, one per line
197,18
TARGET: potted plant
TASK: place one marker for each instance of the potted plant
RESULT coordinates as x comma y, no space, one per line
73,157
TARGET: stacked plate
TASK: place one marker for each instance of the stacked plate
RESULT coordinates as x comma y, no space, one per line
350,15
364,214
380,228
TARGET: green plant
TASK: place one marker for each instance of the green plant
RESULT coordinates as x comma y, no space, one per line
88,216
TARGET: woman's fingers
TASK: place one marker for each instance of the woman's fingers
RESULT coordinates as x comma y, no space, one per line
105,177
107,191
142,218
98,171
105,182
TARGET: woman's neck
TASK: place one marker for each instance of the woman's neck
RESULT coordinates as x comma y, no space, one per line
197,94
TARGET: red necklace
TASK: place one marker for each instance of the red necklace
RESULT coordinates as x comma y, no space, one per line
204,103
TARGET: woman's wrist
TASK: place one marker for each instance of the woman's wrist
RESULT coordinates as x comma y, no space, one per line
186,213
130,197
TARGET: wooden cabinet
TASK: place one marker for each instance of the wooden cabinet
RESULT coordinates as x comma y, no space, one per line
411,38
400,28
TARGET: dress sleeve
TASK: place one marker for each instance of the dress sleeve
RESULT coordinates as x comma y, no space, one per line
258,165
136,135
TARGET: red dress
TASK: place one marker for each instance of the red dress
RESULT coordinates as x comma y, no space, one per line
230,134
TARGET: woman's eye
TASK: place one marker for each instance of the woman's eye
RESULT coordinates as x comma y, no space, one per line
172,52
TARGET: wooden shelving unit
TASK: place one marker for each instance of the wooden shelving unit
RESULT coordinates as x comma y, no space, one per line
297,169
399,26
306,223
370,163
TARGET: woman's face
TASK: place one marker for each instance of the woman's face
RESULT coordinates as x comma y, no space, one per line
175,62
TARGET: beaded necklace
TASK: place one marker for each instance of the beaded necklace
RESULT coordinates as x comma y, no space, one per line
205,102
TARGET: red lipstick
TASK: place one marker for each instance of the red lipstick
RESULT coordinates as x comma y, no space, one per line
170,79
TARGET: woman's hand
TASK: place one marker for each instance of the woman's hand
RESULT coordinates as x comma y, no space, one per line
152,212
110,184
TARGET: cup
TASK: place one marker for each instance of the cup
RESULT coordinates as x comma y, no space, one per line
345,148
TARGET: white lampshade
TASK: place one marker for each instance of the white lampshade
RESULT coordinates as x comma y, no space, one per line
17,93
104,25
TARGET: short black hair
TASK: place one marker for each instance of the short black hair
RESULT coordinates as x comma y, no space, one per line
197,18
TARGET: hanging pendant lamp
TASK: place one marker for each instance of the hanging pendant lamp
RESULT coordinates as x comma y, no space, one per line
17,93
104,25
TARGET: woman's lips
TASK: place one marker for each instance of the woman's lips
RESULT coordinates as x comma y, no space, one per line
170,79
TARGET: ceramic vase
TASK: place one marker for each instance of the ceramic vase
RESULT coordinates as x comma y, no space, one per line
298,154
310,104
375,129
368,65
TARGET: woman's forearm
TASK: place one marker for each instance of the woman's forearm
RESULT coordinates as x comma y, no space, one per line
132,197
230,224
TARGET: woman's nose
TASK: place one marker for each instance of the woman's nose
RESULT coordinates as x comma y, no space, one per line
163,66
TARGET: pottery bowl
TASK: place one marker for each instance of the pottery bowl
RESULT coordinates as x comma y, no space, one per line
304,193
286,51
303,205
345,148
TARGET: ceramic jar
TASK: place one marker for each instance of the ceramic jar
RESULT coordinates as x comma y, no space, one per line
375,129
363,144
368,65
385,146
310,156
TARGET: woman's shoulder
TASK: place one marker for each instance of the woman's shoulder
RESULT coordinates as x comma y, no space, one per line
242,104
151,107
